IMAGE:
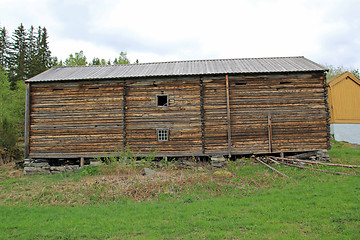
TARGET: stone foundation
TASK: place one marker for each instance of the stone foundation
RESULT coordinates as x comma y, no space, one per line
45,168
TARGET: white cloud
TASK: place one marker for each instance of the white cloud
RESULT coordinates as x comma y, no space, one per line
159,30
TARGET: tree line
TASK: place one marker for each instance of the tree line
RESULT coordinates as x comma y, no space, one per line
79,59
334,71
25,54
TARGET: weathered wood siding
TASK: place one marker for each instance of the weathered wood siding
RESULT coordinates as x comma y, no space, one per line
87,118
296,104
215,120
73,119
182,117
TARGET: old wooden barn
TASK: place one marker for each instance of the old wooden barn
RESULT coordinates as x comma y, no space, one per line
183,108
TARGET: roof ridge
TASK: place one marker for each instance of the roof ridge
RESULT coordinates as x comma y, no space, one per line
183,61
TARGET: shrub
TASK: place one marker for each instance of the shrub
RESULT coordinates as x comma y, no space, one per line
12,111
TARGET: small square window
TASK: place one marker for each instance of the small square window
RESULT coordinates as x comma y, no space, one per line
162,100
162,134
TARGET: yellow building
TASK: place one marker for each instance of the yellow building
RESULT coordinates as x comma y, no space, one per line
344,104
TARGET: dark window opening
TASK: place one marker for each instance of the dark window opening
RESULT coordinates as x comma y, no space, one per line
162,134
162,100
93,88
285,82
58,89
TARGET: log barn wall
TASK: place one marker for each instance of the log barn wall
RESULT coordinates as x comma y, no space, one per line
89,118
182,115
294,102
73,119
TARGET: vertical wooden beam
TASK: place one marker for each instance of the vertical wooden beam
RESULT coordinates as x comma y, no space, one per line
27,122
124,115
228,114
202,116
270,132
82,161
328,112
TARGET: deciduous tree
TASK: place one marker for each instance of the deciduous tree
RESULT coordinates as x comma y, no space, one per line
78,59
123,59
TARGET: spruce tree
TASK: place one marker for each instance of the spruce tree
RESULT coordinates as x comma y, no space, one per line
44,52
17,58
4,48
32,60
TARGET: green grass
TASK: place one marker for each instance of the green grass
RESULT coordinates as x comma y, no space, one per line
343,152
326,209
252,203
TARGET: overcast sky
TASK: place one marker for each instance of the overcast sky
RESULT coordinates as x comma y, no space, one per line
325,31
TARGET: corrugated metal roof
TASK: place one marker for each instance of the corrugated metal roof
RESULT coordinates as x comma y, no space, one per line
180,68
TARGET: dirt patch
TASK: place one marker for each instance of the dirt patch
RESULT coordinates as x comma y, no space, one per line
10,170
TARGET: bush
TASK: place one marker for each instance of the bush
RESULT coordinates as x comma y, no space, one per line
8,133
12,115
90,170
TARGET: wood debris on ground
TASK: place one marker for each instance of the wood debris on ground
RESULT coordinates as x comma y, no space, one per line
299,163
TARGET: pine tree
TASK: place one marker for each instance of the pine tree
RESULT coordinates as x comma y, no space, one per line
4,48
17,58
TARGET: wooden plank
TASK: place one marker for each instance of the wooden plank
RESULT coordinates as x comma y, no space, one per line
277,171
202,115
228,114
270,132
27,121
124,115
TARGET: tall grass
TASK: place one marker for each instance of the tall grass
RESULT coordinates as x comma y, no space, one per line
126,158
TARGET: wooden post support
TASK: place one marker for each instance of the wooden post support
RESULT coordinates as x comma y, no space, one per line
228,114
81,162
27,122
202,116
270,133
124,115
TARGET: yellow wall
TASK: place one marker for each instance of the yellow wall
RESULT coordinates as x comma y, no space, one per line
344,99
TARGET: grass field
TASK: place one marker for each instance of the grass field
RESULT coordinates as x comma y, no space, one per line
245,200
